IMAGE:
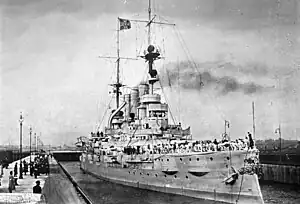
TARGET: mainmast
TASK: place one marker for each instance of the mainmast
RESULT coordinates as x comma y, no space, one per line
149,23
152,52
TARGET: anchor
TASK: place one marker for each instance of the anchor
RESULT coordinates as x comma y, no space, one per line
231,179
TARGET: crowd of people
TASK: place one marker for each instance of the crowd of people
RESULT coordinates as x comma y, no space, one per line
197,146
40,165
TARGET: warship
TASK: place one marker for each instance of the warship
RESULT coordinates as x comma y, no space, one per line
140,147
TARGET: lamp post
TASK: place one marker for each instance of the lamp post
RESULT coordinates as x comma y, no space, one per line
278,130
35,142
30,132
21,124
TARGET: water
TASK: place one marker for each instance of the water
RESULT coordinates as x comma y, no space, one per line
106,192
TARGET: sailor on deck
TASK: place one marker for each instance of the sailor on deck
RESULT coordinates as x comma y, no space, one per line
251,142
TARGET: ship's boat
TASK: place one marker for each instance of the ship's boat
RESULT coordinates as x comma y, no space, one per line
140,147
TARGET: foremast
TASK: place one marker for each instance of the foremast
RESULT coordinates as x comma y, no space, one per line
121,25
118,85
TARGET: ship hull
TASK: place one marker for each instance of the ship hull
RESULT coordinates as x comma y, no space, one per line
208,186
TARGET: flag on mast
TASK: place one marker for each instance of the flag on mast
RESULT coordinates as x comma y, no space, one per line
124,24
227,123
277,130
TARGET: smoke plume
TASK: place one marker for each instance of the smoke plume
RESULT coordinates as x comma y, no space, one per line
188,77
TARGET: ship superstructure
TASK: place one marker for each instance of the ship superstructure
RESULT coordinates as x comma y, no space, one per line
140,147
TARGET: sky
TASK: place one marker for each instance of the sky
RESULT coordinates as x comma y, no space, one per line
244,51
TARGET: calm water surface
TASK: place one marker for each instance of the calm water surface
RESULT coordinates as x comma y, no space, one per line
108,193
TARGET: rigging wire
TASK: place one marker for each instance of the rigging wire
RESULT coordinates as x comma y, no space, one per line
192,62
187,52
143,41
107,108
131,136
168,76
230,156
179,93
99,101
242,180
136,39
169,105
163,40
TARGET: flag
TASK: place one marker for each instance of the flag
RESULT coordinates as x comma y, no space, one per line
124,24
277,130
227,123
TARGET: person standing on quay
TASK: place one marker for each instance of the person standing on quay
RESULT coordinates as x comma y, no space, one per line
16,169
11,182
37,188
25,167
31,168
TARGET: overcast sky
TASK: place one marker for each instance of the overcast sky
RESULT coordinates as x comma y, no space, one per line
247,51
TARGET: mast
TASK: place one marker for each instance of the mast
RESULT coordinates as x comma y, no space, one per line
150,62
253,120
152,53
118,85
35,137
280,140
149,25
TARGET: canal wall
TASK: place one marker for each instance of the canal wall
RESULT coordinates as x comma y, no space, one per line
58,188
288,174
12,155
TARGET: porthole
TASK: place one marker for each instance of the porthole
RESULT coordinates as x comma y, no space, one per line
156,175
180,159
211,159
186,177
129,172
165,175
190,159
147,174
167,159
140,173
197,159
226,165
162,160
175,176
228,158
